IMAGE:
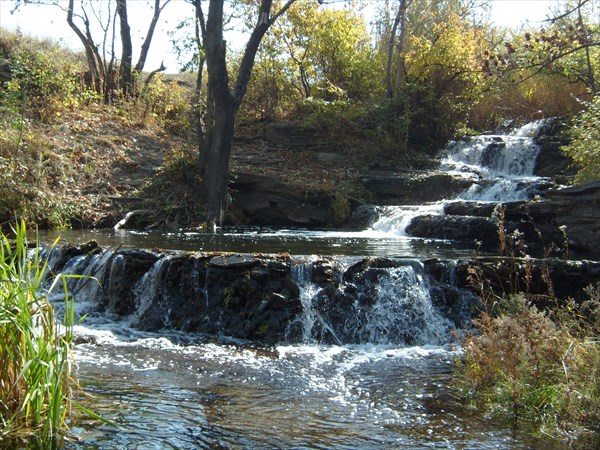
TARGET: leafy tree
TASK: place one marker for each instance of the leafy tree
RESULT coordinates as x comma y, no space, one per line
447,64
404,20
568,46
314,53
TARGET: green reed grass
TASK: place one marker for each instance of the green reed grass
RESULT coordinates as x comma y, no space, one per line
35,352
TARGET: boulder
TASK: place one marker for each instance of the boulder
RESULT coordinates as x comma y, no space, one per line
363,217
551,161
577,209
266,201
395,188
458,228
289,135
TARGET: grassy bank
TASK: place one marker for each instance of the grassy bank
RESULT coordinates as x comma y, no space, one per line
35,353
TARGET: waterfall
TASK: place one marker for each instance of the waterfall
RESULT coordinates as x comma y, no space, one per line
500,168
314,300
401,310
150,290
389,305
395,219
313,326
502,165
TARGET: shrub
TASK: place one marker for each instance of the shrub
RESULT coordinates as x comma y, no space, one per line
523,363
169,103
584,148
44,84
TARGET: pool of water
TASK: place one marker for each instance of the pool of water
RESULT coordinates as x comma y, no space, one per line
188,392
265,240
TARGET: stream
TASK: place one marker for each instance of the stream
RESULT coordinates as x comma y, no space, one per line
380,379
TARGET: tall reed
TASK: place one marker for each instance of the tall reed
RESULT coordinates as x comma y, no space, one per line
35,352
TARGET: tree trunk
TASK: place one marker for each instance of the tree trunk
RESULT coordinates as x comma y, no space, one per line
401,63
223,104
91,53
127,49
216,176
146,44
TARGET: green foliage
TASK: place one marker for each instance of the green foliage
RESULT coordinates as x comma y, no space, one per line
314,53
169,103
584,148
529,365
444,64
566,46
44,84
35,355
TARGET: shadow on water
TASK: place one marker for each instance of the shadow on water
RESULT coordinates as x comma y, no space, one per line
255,240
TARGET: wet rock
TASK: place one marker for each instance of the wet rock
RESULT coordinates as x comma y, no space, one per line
551,160
414,188
234,261
493,152
544,279
363,217
459,228
125,269
258,297
235,295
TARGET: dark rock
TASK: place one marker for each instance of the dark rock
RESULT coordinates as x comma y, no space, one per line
267,201
234,261
493,152
459,228
290,135
462,208
551,160
363,217
236,295
125,269
578,209
414,188
549,278
256,297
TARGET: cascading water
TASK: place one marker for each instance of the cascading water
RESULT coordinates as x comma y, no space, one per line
502,165
364,360
310,318
389,305
500,168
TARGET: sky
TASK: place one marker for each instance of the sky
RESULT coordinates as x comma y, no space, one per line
50,22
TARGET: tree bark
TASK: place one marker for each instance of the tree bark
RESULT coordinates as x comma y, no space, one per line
127,49
401,63
148,40
91,53
223,103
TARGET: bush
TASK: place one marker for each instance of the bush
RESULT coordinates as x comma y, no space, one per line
169,103
584,148
44,84
523,363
